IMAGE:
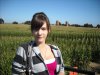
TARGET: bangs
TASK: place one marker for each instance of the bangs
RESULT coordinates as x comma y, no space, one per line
37,24
38,20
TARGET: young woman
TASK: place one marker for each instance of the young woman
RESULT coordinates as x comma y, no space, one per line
37,57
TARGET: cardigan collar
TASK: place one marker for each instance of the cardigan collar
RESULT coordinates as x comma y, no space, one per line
35,48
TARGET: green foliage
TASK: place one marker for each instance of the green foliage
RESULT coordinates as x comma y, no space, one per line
78,45
1,21
27,22
15,22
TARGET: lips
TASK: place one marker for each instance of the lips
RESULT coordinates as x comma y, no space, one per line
39,37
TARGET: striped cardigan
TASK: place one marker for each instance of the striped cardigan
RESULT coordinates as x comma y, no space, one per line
29,54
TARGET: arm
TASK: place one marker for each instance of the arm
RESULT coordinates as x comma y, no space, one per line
18,65
62,64
60,69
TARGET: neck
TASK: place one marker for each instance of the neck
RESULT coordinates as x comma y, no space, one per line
43,48
41,44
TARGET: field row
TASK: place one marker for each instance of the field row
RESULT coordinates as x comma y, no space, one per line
79,46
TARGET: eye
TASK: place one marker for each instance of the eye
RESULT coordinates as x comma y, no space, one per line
43,28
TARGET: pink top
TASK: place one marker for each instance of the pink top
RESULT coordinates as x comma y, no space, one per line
51,65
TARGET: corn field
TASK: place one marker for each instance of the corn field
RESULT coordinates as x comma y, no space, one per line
79,46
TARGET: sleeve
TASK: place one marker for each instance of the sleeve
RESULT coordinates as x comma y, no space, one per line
19,62
62,63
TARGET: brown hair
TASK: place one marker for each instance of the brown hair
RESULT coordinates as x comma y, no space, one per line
38,20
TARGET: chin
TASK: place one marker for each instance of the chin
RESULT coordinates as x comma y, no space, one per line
40,41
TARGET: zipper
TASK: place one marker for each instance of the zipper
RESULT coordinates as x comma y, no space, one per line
40,57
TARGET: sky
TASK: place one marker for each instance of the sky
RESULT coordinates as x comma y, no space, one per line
72,11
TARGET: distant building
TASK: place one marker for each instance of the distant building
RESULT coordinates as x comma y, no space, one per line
66,24
58,23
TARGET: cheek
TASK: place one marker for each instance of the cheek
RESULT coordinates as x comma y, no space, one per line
46,33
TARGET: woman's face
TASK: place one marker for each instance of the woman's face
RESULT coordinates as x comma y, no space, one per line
41,34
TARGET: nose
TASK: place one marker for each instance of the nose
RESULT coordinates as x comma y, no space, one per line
39,32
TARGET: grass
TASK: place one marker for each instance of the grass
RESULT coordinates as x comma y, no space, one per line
79,45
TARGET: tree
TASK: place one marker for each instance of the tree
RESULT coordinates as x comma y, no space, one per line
1,21
88,25
98,26
66,24
27,22
76,25
15,22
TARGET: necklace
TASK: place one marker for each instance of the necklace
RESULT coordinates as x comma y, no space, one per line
43,52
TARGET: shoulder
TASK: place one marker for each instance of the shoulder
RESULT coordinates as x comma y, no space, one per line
55,47
23,48
25,45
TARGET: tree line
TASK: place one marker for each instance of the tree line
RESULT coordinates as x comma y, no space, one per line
58,23
14,22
